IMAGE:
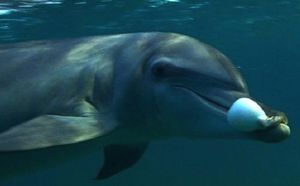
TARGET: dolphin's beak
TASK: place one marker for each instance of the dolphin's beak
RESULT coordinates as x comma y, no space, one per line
220,98
277,131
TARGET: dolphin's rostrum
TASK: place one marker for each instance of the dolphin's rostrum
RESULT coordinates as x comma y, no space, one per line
119,92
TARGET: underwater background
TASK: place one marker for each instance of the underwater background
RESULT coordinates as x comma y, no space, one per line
261,37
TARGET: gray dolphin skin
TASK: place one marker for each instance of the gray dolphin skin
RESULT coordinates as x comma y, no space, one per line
66,98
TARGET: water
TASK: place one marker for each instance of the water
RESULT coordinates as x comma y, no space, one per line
260,36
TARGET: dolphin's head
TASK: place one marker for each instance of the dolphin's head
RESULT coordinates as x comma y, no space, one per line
193,86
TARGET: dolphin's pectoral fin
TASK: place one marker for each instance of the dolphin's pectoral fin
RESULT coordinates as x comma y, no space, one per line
52,130
119,158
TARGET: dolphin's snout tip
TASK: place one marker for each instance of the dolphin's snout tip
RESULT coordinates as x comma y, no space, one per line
277,132
274,134
285,130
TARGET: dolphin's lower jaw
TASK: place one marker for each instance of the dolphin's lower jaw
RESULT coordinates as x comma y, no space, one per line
273,134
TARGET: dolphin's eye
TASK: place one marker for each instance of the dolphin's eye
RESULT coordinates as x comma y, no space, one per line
163,67
159,69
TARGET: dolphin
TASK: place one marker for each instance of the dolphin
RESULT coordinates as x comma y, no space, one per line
65,98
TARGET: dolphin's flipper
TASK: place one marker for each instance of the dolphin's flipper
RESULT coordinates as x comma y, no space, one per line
119,158
52,130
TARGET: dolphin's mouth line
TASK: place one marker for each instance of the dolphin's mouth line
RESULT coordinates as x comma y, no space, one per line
205,99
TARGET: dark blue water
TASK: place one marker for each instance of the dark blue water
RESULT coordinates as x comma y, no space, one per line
260,36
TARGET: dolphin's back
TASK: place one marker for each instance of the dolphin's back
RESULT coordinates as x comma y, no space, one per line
25,69
22,59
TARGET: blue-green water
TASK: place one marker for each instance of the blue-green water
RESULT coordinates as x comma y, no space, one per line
260,36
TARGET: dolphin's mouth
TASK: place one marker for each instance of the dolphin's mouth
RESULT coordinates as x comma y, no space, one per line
212,103
208,101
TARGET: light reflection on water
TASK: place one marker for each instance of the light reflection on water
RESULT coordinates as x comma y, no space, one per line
42,19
